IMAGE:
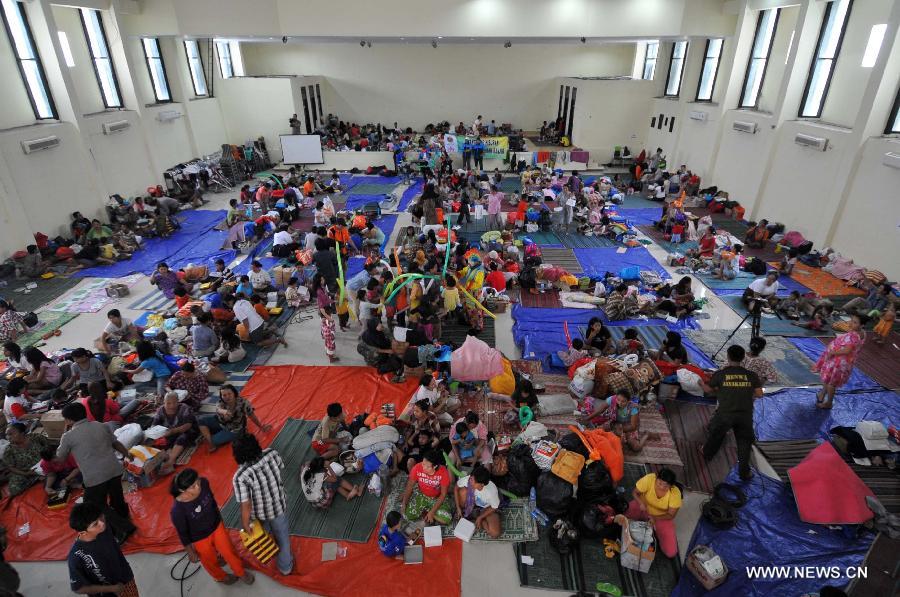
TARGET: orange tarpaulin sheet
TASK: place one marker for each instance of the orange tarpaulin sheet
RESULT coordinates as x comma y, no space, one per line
821,282
277,393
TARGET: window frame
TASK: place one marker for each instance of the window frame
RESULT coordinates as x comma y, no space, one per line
162,64
42,75
893,124
762,79
199,65
647,58
718,62
672,59
224,59
832,5
112,67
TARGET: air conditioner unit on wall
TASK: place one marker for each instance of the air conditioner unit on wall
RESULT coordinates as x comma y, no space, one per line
744,126
891,159
168,115
110,128
699,115
810,141
40,144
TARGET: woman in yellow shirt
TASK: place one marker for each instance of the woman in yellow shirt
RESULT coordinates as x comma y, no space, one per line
657,498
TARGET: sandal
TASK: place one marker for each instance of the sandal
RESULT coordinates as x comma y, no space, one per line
609,589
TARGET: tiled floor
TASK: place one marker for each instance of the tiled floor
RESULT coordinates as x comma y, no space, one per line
488,569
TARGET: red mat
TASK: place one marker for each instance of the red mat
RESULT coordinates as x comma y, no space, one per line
827,490
277,393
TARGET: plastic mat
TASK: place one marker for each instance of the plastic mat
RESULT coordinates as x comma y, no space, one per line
792,414
197,242
769,532
596,262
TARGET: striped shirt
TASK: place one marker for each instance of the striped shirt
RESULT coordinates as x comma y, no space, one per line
260,484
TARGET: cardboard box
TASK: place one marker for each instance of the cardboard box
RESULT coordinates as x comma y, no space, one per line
708,568
638,550
53,423
282,275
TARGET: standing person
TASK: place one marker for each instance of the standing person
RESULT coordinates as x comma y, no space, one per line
836,364
196,517
567,202
94,447
735,388
259,490
478,153
328,332
495,201
97,565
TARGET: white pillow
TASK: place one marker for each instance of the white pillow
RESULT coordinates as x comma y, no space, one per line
556,404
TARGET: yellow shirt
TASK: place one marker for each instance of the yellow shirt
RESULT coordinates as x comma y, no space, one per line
657,506
451,299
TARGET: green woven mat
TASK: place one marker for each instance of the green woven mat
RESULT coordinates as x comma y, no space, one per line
345,520
46,292
587,565
511,184
515,520
48,321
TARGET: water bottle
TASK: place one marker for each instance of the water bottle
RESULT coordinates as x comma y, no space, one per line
539,516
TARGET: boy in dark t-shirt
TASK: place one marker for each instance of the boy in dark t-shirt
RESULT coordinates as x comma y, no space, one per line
96,562
735,388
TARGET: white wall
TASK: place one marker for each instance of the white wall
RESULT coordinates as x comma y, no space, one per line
844,97
868,232
741,158
609,113
416,84
257,106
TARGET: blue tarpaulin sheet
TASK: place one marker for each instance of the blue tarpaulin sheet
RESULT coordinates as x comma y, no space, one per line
596,262
195,242
737,285
539,332
642,216
792,414
355,202
410,194
769,532
386,224
813,349
257,253
354,266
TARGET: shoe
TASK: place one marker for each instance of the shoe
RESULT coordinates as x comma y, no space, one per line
229,580
248,578
608,589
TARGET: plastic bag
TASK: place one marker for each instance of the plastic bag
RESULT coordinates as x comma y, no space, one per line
522,470
573,443
555,496
375,485
689,381
594,482
129,435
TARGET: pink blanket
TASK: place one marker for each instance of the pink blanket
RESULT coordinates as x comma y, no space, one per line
846,270
475,360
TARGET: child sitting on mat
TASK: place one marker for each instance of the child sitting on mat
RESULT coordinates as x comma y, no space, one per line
819,318
575,353
621,415
630,344
790,307
886,324
392,542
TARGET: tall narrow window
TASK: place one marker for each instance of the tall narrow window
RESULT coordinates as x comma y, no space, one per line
571,114
29,62
319,102
66,48
893,125
237,59
224,51
312,102
195,64
834,24
157,69
103,66
306,118
650,60
710,69
759,57
676,68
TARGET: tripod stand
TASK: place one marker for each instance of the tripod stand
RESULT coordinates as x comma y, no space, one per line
755,317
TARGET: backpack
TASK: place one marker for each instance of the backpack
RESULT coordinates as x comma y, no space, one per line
756,266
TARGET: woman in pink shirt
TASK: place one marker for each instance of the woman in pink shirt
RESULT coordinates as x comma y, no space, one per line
495,199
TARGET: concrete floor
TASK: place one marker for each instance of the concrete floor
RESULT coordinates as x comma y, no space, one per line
488,569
